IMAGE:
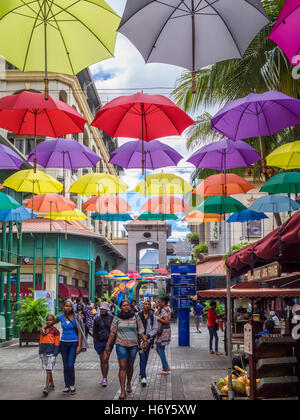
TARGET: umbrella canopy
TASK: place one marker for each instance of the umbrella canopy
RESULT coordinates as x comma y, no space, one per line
285,156
163,185
17,215
112,217
154,154
50,203
114,273
256,115
287,182
223,185
68,216
246,216
107,204
225,154
147,216
161,271
7,202
221,205
146,271
98,184
9,159
63,153
33,182
197,216
132,273
170,205
55,34
274,204
192,34
141,116
102,273
286,32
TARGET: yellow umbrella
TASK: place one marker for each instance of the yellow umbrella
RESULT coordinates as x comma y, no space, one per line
146,271
163,185
286,156
35,183
197,216
98,184
67,216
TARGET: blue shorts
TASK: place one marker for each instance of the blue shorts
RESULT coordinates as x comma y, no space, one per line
126,353
100,347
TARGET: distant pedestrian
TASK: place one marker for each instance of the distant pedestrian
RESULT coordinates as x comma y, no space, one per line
163,316
101,332
134,306
150,329
126,330
48,351
212,319
198,313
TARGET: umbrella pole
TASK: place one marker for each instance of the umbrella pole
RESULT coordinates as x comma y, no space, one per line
46,80
193,48
66,230
64,174
50,216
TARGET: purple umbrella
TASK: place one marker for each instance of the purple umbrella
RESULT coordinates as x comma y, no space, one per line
155,155
257,115
9,159
225,154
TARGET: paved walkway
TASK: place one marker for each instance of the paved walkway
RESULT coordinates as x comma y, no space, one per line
193,369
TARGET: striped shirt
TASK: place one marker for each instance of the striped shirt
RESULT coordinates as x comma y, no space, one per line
127,330
49,343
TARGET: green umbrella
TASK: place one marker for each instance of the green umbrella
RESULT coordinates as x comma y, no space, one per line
112,217
149,217
8,203
221,205
58,36
287,182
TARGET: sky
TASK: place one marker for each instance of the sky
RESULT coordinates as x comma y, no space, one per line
127,73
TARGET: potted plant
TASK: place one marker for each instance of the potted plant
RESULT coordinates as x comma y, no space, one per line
31,319
200,249
194,239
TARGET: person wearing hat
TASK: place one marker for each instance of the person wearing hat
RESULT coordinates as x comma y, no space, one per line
101,332
275,318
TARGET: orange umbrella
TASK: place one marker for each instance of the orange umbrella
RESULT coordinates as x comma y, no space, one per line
223,185
197,216
167,205
107,204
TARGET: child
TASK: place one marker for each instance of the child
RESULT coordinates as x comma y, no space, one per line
48,351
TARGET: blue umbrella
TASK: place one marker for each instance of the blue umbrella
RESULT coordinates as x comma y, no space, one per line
16,215
246,216
102,273
112,217
274,204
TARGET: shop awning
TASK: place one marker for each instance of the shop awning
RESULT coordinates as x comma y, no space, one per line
290,280
24,289
84,293
210,268
67,291
283,245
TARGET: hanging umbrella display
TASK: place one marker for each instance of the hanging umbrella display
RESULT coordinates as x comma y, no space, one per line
9,159
223,185
192,34
163,185
221,205
146,271
225,154
107,204
114,273
285,32
161,271
29,113
163,217
130,284
98,184
132,273
274,204
16,215
7,202
155,155
112,217
286,156
67,216
55,34
197,216
33,182
102,273
170,205
246,216
287,182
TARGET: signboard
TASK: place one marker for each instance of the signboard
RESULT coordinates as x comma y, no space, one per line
177,279
248,339
184,291
267,272
48,295
183,303
183,269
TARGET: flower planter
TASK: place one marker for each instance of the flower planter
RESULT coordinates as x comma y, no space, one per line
26,337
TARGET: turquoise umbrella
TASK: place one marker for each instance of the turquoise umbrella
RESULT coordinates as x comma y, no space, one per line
112,217
8,203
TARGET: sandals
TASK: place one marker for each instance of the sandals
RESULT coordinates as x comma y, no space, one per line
163,373
129,389
45,392
122,398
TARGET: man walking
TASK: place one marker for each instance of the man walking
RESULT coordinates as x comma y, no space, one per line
198,313
150,324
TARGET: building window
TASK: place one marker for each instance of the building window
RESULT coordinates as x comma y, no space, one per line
62,280
84,284
75,282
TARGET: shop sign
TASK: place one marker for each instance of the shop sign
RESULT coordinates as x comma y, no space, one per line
248,339
188,280
48,296
184,291
267,272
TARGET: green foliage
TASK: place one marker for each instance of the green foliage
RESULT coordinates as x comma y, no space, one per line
32,314
220,308
193,238
236,248
200,249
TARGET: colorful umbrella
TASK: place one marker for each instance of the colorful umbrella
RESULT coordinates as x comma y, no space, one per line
112,217
98,184
161,217
132,273
130,284
163,185
107,204
55,34
274,204
114,273
16,215
68,216
223,185
33,182
225,154
146,271
287,182
197,216
286,156
154,154
7,202
285,32
246,216
170,205
9,159
192,34
221,205
102,273
161,271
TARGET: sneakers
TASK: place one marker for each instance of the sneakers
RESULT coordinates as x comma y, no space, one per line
73,390
143,382
217,353
103,382
66,390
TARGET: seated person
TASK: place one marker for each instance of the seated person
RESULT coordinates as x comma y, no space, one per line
269,326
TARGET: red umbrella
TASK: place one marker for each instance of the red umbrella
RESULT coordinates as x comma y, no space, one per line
31,114
107,204
169,205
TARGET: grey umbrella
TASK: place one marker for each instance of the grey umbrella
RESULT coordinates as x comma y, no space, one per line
192,33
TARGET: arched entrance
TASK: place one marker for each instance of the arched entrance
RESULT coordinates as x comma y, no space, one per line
149,259
152,290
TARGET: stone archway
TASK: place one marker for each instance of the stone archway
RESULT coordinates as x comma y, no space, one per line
144,246
139,286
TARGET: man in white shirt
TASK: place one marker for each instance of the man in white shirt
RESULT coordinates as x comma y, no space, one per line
275,318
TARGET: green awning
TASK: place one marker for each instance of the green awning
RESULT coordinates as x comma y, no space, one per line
6,267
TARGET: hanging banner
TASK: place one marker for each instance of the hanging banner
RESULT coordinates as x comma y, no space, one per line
48,295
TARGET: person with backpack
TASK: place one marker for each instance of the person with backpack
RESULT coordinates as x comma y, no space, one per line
101,332
150,327
127,330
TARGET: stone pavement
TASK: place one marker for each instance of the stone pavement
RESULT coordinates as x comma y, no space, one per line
193,369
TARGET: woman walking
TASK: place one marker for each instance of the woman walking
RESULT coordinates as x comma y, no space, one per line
163,316
126,330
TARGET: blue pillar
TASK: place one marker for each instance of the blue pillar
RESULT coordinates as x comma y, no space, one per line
183,327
